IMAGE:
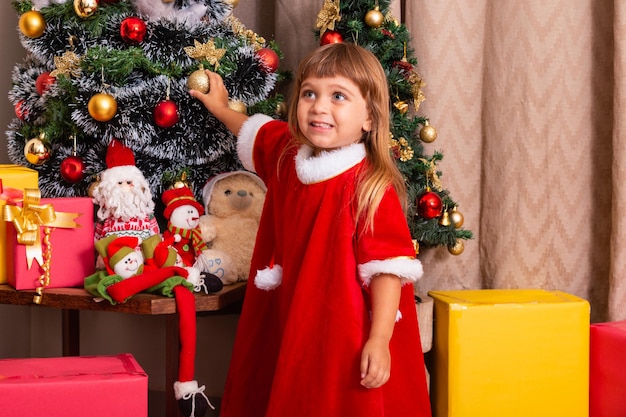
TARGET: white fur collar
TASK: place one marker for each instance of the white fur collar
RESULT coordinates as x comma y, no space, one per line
328,164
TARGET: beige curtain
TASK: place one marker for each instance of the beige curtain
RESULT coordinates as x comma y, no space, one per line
528,99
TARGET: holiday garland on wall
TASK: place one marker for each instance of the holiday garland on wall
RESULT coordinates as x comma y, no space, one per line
102,69
433,216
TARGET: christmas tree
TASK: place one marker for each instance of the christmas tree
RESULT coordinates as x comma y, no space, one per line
433,216
98,70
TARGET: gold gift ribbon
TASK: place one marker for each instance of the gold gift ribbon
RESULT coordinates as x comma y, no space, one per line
30,217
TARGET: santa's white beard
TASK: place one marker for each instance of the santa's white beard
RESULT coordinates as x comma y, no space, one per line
123,203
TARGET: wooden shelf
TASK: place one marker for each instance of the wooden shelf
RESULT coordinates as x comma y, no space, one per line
79,299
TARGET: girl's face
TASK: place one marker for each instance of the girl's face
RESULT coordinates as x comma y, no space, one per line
332,112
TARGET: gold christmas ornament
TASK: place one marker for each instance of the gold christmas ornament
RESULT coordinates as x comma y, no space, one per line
281,109
238,106
232,3
402,106
85,8
102,107
67,64
32,24
456,218
374,18
444,220
428,133
198,80
457,248
328,15
37,150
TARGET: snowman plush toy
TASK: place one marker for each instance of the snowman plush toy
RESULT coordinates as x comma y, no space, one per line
182,212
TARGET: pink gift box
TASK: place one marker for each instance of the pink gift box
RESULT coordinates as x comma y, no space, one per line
72,257
71,386
607,379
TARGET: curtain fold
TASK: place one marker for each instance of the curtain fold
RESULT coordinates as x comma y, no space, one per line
528,100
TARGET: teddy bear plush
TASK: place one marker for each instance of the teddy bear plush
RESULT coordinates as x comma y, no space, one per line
233,203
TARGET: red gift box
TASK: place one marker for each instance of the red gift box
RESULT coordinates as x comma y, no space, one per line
72,248
73,386
607,378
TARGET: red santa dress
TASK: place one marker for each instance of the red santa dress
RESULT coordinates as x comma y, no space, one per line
306,314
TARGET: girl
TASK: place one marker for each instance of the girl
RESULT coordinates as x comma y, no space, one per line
328,326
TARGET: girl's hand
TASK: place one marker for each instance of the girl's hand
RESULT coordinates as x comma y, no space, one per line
375,363
216,101
217,97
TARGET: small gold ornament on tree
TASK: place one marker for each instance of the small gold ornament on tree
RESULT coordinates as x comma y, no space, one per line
402,106
102,107
457,248
444,220
456,217
238,106
37,150
428,134
85,8
32,24
67,64
374,18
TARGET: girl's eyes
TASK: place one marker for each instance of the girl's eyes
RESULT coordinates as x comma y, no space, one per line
335,96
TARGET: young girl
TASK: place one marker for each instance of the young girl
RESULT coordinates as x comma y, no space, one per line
328,327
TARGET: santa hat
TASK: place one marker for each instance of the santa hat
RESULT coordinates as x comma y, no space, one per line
208,187
120,162
176,197
113,249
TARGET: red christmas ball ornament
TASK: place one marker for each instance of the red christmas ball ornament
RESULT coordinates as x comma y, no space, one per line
166,114
269,59
133,30
73,169
331,36
429,205
43,82
20,111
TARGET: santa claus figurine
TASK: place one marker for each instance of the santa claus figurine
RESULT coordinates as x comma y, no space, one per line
183,212
123,197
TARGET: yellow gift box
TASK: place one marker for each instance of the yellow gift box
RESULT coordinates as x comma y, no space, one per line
513,353
13,177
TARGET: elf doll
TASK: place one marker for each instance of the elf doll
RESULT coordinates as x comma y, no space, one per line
128,273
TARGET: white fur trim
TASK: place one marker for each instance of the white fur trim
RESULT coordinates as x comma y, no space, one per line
207,190
193,275
269,278
408,269
246,137
328,164
183,388
122,173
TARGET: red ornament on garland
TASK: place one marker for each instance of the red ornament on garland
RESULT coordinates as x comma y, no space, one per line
43,82
133,30
73,169
331,36
166,114
429,205
20,111
269,59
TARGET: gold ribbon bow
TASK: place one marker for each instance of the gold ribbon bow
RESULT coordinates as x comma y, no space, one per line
30,217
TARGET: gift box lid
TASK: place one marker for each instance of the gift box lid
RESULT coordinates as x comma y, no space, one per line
508,297
43,370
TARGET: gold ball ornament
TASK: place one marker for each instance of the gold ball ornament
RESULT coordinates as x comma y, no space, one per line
457,248
37,150
32,24
456,217
281,109
92,187
374,18
428,133
232,3
85,8
238,106
102,107
198,80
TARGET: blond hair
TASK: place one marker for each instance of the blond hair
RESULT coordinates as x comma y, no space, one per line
363,68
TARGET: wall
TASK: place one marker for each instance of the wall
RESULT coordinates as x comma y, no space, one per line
36,332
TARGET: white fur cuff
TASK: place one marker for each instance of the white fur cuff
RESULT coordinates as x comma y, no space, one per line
408,269
269,278
246,137
183,388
